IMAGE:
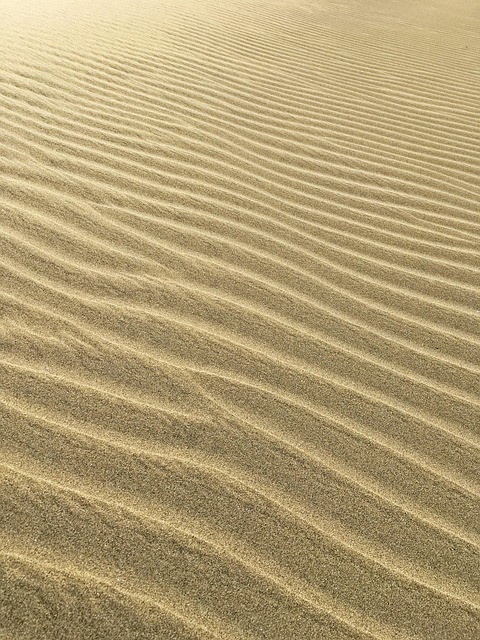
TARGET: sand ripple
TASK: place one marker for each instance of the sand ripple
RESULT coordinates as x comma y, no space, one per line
239,320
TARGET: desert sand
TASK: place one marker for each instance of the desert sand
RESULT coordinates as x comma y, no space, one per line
239,319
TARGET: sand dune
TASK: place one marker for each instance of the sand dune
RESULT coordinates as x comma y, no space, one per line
240,319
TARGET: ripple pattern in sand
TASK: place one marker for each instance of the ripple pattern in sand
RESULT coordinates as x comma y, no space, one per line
239,320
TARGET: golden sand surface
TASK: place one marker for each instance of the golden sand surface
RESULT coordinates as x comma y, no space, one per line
239,319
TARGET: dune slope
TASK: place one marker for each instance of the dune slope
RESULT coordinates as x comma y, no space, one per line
239,320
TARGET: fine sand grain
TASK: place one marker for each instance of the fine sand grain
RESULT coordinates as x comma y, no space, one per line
239,319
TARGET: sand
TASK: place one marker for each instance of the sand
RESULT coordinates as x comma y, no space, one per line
239,319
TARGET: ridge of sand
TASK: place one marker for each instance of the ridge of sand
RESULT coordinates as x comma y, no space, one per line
239,320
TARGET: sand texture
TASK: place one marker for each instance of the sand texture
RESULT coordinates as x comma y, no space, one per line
240,319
